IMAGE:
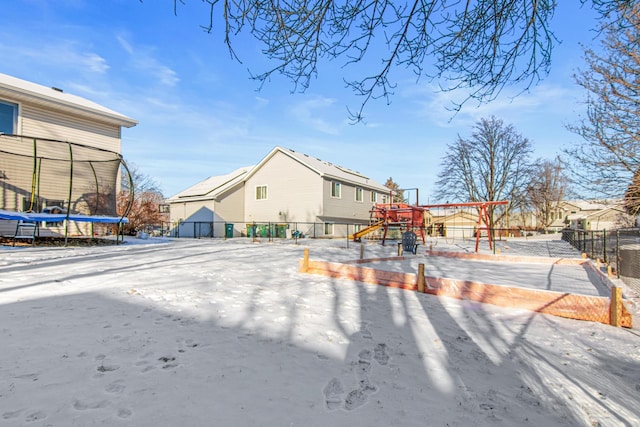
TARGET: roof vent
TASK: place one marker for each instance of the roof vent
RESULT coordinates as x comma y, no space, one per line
57,89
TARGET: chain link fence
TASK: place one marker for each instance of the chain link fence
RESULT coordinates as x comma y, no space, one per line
274,230
620,249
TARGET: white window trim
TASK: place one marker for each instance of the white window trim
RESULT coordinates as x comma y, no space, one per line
359,190
266,192
329,229
374,197
16,114
338,186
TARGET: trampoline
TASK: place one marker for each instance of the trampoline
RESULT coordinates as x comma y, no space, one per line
85,181
47,217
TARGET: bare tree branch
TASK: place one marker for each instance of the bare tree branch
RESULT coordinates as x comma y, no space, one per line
605,161
479,46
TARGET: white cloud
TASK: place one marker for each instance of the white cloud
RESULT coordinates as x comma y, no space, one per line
62,54
96,63
436,106
308,113
125,44
143,59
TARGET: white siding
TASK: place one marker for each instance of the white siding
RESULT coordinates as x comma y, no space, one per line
37,121
346,208
230,206
294,192
192,211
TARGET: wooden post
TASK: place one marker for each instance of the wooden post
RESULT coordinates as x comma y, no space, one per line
361,251
609,272
615,309
399,249
420,277
305,261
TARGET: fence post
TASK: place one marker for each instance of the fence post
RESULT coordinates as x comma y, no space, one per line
618,254
421,278
347,236
305,261
615,308
604,244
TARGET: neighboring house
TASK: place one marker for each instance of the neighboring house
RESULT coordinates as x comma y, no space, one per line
590,215
452,223
40,118
286,189
203,209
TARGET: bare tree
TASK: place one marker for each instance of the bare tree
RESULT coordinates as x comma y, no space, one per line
546,190
480,46
604,162
632,196
492,165
139,199
398,194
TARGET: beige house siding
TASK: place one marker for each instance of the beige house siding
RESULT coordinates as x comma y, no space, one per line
40,122
231,205
346,208
226,208
294,192
194,210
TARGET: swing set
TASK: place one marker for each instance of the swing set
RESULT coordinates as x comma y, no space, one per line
412,217
482,223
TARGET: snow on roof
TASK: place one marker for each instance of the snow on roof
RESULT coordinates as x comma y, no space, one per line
213,186
593,205
22,88
330,170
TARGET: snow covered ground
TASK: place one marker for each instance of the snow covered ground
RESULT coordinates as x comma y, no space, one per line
228,333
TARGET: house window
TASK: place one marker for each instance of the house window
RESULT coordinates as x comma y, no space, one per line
374,197
328,229
359,194
336,189
384,199
261,192
8,116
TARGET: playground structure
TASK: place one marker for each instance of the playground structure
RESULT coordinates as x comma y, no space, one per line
384,215
412,217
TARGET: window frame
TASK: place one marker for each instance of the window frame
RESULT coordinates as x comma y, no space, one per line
261,192
329,228
359,196
14,124
336,189
374,197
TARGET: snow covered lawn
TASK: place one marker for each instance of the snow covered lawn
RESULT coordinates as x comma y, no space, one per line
229,333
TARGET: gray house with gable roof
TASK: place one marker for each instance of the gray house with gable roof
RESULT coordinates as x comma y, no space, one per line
285,188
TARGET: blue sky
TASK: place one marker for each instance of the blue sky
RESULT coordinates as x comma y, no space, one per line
200,114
